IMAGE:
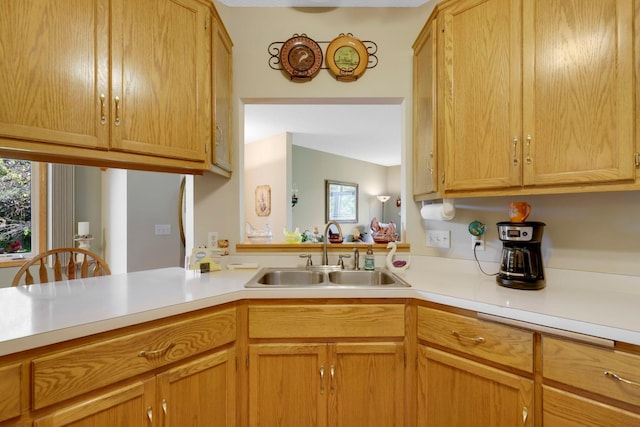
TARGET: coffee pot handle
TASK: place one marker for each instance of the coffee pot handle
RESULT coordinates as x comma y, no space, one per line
530,267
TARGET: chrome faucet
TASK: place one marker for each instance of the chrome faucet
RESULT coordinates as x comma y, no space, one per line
325,257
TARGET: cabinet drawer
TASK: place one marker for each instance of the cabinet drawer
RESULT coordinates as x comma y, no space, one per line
10,390
70,373
499,343
324,321
592,368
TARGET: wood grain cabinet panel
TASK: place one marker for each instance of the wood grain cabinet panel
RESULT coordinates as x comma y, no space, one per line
453,391
222,135
425,148
502,344
569,410
537,95
79,370
332,320
606,372
107,82
11,391
131,405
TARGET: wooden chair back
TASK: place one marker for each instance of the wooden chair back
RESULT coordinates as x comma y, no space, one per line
78,263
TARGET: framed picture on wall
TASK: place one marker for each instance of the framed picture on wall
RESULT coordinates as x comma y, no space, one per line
263,200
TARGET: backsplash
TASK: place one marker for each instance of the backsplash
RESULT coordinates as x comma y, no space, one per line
588,232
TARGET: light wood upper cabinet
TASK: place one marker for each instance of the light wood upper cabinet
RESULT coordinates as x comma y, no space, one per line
222,135
425,168
110,83
578,91
53,68
157,77
537,94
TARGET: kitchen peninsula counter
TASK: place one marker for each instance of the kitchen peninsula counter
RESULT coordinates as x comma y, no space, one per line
596,304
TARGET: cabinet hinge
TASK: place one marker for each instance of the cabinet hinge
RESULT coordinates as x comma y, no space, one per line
443,177
206,24
637,157
206,148
442,26
405,359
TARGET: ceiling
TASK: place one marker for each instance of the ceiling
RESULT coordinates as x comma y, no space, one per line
367,132
323,3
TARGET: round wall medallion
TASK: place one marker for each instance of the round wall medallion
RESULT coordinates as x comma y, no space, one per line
347,57
301,57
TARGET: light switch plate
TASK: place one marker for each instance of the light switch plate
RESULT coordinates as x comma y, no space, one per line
163,229
439,238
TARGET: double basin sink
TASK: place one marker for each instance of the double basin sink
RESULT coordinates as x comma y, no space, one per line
320,277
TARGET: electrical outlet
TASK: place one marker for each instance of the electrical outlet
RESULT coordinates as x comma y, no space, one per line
475,240
439,238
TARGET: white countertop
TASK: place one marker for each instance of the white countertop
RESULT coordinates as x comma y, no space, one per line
596,304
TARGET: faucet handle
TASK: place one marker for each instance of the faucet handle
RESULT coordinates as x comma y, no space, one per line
308,257
341,260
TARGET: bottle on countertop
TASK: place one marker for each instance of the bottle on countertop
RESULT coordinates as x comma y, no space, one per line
369,259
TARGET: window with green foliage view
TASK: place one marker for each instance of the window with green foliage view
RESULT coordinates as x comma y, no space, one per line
15,206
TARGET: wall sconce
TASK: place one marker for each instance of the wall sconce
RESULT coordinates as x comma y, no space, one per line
294,196
383,199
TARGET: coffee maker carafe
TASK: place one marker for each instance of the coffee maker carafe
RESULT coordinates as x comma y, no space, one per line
521,266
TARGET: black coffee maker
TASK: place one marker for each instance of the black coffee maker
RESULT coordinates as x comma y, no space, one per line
521,265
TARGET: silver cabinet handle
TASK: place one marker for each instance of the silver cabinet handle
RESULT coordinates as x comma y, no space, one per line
151,353
617,377
333,377
525,415
477,340
515,151
117,103
529,149
164,406
150,414
103,116
321,379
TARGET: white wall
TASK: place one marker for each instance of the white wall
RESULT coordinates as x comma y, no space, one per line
312,167
267,162
152,198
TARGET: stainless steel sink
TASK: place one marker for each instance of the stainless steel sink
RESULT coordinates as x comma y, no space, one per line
365,278
324,278
291,277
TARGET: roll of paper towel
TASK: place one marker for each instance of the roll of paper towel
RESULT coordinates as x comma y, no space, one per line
444,211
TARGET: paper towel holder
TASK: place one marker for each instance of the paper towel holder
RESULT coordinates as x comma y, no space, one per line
448,208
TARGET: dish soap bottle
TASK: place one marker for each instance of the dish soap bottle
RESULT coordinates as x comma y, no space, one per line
369,259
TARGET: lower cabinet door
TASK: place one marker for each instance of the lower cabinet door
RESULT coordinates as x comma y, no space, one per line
200,393
367,384
565,409
326,384
454,392
130,406
288,384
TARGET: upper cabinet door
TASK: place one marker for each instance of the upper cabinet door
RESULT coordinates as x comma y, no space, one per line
53,71
425,168
158,78
482,94
222,72
578,91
